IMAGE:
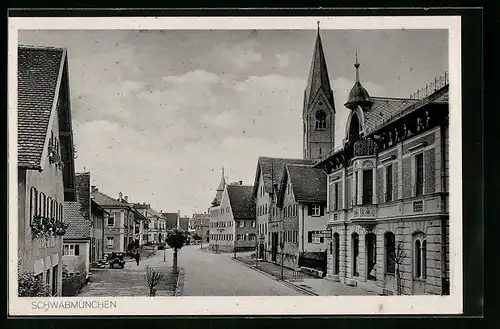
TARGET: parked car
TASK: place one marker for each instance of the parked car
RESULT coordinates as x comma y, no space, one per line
161,246
116,258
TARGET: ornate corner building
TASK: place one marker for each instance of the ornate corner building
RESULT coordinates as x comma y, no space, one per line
388,193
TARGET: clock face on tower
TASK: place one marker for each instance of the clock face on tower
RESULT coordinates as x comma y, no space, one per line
320,115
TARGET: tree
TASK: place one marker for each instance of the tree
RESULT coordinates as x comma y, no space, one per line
196,237
31,286
176,239
398,256
153,278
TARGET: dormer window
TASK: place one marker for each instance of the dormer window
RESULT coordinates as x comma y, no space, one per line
320,120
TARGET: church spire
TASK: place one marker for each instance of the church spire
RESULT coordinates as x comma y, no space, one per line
318,75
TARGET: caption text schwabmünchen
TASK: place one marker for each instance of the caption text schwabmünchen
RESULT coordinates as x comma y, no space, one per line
95,304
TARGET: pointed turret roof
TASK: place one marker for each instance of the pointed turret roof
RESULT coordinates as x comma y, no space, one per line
358,94
220,189
318,75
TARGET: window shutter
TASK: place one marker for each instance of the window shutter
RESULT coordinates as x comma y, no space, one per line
322,210
309,210
77,249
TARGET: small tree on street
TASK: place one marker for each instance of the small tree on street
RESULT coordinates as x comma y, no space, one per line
176,239
196,237
153,278
398,256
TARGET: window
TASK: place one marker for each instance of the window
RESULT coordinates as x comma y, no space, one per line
253,223
320,120
110,242
111,220
371,248
419,174
420,256
290,211
336,196
388,183
367,186
355,188
71,250
316,210
355,253
265,209
33,203
336,255
390,253
241,223
227,210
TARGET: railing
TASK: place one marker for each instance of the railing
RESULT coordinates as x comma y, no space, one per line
430,88
364,147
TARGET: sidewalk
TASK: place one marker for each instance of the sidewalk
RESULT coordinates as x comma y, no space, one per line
305,282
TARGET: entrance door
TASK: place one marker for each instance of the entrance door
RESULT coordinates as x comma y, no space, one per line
274,246
371,250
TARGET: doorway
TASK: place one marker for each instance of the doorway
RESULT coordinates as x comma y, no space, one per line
371,252
274,246
336,255
355,254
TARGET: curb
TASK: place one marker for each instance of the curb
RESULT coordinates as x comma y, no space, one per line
179,286
285,282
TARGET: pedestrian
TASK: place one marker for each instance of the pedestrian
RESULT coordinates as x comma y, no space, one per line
137,257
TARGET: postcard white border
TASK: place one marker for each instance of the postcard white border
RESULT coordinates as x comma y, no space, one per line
281,306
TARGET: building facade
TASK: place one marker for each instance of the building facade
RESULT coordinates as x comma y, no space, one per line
200,223
46,176
76,248
302,203
388,194
232,222
98,218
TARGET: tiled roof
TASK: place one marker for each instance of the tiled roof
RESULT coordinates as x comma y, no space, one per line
82,182
242,201
37,77
382,109
272,169
171,219
107,201
78,227
309,184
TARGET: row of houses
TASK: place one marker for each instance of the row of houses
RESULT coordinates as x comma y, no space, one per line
64,223
372,212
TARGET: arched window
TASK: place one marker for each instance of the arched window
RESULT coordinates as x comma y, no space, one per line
390,253
290,211
420,256
320,120
354,127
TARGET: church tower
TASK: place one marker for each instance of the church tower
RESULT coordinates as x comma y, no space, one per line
319,109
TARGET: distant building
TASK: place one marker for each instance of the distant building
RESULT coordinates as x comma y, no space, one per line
171,219
200,223
266,185
120,226
183,224
302,218
232,222
154,229
45,160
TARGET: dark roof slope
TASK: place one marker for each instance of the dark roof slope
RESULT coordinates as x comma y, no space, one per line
171,219
309,184
82,182
382,109
38,72
107,201
272,169
184,223
78,227
242,201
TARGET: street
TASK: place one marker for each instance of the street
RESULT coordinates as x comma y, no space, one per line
205,274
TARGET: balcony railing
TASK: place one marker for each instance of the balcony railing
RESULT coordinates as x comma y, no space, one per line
364,147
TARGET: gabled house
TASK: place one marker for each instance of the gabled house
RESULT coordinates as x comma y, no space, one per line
232,223
154,228
45,161
267,179
76,248
119,228
302,200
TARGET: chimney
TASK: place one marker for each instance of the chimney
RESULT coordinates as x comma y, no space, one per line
241,182
94,189
120,196
126,198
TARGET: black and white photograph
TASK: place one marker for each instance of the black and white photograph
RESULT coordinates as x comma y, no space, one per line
255,165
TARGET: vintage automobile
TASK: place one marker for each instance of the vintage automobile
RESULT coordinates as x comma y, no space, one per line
116,258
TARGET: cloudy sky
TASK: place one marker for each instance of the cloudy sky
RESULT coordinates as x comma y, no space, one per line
156,114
